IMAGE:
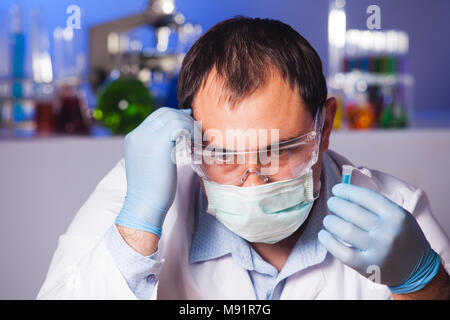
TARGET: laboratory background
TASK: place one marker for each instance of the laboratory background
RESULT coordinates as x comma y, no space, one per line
76,76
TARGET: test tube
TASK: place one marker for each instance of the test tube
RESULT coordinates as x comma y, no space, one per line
347,173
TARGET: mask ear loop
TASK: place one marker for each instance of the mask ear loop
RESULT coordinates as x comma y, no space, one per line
317,130
320,122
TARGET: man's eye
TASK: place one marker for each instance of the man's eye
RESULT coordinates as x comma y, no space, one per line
275,152
221,156
230,159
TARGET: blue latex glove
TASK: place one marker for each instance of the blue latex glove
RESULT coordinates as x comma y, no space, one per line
381,234
151,172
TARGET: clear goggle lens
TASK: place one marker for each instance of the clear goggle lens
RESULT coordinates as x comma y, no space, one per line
277,162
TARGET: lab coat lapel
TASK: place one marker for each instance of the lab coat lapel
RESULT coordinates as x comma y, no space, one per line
305,285
222,278
175,281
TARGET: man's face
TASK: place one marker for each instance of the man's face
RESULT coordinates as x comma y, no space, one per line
276,105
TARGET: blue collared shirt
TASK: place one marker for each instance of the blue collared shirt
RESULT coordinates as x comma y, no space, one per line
212,240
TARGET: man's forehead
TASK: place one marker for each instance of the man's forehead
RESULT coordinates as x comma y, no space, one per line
275,105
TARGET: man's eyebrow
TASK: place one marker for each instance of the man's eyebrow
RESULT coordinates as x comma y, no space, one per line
289,138
231,151
211,146
292,137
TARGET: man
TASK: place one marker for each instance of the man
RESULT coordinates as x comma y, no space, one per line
224,227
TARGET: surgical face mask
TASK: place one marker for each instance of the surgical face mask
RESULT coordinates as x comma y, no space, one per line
266,213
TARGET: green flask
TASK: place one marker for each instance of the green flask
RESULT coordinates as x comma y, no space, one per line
123,105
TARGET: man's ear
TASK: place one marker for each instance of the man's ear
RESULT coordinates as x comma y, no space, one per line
329,113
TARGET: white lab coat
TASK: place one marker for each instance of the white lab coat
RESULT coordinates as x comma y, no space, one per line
82,267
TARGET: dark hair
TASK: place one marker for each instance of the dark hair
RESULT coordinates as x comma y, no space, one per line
242,50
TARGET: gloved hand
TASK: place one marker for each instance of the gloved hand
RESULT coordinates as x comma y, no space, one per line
150,170
380,233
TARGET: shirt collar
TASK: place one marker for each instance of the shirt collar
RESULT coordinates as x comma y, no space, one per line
212,240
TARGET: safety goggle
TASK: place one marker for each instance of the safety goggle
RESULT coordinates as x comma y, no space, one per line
276,162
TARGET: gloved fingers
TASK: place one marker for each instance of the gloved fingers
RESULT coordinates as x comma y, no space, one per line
353,213
152,123
163,119
179,123
177,127
366,198
187,111
347,231
156,114
158,135
160,117
176,114
347,255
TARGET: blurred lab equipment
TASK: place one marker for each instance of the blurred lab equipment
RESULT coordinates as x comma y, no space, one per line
368,75
124,104
133,74
123,99
44,109
71,114
172,37
40,95
18,63
42,72
5,89
17,107
133,67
